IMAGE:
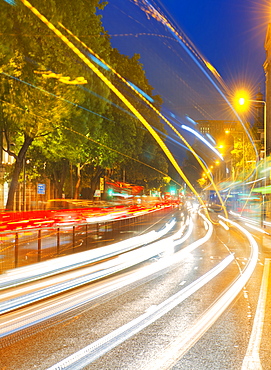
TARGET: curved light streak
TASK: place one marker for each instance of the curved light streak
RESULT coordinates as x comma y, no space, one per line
95,350
197,134
119,95
204,167
197,58
58,265
178,348
70,302
42,313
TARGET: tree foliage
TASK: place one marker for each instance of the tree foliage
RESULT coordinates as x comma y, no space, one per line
57,112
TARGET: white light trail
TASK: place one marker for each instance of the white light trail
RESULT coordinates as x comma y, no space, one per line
257,228
95,350
71,302
194,132
44,269
226,227
177,349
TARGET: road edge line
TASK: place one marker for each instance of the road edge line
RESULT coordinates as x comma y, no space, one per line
252,358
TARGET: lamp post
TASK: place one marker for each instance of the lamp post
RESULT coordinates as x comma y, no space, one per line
242,102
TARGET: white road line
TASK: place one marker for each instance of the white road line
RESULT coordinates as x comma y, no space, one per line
177,348
90,353
252,359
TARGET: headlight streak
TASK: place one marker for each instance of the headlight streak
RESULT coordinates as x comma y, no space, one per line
97,349
42,312
226,227
66,304
177,349
257,229
44,269
77,278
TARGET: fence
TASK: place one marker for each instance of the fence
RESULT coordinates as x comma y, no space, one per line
24,247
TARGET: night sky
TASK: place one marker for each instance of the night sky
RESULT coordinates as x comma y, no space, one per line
229,33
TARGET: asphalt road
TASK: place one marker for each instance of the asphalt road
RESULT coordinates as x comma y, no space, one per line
173,340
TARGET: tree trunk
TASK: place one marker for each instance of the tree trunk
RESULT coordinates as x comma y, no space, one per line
95,179
60,175
78,182
16,172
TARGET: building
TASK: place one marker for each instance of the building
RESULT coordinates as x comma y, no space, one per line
5,161
267,69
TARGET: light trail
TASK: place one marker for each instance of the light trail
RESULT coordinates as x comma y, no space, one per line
118,94
226,227
199,60
23,275
194,132
147,101
77,278
97,349
177,349
42,311
163,308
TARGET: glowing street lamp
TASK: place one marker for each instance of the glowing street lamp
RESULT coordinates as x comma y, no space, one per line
242,100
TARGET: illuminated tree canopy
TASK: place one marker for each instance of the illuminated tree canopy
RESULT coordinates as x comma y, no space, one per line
57,113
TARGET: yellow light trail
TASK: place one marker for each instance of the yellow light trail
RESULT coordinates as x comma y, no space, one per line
205,169
118,93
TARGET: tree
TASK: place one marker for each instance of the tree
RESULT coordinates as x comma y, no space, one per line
56,109
35,99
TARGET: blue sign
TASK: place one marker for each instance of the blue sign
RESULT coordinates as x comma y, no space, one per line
41,188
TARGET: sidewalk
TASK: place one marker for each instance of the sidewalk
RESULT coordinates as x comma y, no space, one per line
262,227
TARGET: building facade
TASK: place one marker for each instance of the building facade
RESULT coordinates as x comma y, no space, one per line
267,69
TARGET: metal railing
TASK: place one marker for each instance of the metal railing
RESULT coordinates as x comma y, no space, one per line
23,247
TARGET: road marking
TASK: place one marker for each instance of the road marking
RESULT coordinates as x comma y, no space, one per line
178,347
252,359
98,348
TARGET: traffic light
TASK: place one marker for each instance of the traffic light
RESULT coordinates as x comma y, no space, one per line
172,191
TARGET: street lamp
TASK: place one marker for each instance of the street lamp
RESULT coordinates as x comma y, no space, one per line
242,101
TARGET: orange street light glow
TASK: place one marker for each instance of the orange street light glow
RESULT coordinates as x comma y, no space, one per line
242,101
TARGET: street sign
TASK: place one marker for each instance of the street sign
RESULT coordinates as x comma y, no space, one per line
97,193
41,188
101,184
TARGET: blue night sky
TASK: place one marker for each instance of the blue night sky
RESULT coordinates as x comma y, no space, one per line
229,33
